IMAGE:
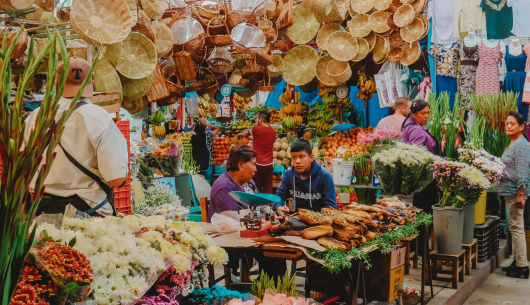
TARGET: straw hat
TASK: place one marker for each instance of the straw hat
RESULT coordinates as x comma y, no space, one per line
134,58
277,66
358,25
323,35
154,8
364,49
305,25
163,38
339,70
342,46
414,31
381,49
395,54
371,39
300,65
395,39
411,53
106,79
395,5
361,6
378,22
101,22
404,15
134,89
382,5
322,74
133,8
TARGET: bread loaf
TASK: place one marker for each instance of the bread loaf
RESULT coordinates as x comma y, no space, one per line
293,233
333,243
317,232
313,218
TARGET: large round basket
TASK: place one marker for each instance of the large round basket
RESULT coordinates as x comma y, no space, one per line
361,6
329,10
163,39
339,70
135,106
371,39
395,54
381,49
154,8
300,65
382,5
358,25
418,6
411,53
426,24
323,35
305,25
364,48
101,22
404,15
342,46
106,79
378,22
133,8
134,58
414,31
134,89
322,74
395,39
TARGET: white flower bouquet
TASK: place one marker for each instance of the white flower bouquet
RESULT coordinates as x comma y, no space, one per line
491,166
404,169
160,200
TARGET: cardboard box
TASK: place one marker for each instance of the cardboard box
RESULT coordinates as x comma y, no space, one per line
386,262
384,287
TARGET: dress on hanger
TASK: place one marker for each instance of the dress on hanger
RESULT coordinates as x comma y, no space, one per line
499,18
515,75
446,62
488,69
469,16
468,68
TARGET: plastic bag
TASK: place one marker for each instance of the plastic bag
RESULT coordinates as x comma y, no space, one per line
185,29
249,8
249,36
220,60
224,224
192,103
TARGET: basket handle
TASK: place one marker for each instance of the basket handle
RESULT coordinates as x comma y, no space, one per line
10,26
214,18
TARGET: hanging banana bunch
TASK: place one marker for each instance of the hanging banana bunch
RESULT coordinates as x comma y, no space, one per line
366,88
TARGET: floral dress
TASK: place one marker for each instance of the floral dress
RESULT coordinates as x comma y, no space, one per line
488,69
468,68
446,62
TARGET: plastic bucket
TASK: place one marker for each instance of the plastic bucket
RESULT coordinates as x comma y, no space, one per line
480,209
448,229
342,172
469,223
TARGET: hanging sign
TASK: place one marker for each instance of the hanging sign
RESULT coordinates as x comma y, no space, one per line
226,90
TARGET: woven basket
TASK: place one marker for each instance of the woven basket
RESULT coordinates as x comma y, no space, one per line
305,25
414,31
154,8
170,100
380,51
404,15
21,4
159,89
391,24
216,26
361,6
285,19
253,70
77,48
411,53
269,29
419,6
46,5
163,39
371,39
382,5
246,93
232,19
174,89
277,67
21,44
133,8
264,58
134,89
394,6
326,10
134,58
395,54
193,44
395,39
426,24
218,40
213,85
358,25
106,78
207,11
364,49
300,65
184,66
339,70
220,61
143,26
342,46
235,77
135,106
378,22
101,22
323,35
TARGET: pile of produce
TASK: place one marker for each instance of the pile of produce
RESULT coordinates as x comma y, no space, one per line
206,108
237,127
185,139
281,151
346,142
320,120
221,148
241,103
275,115
158,129
366,88
252,112
292,113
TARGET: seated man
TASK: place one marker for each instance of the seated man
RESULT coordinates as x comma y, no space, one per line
307,183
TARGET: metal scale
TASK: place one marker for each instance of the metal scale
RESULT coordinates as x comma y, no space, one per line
253,219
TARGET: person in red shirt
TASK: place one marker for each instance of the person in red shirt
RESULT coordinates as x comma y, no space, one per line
263,138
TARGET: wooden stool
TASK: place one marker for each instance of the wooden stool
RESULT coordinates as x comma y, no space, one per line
458,263
410,255
471,255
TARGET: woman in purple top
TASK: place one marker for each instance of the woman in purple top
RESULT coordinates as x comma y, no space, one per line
414,131
240,169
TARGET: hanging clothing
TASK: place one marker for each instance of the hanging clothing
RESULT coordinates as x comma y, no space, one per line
488,69
521,12
446,62
515,75
468,68
526,89
499,18
442,13
467,16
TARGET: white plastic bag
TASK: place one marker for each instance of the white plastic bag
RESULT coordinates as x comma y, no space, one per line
224,224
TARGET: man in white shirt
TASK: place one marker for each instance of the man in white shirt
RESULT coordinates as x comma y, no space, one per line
92,157
395,121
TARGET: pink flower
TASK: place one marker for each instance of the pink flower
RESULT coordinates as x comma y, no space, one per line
290,301
278,299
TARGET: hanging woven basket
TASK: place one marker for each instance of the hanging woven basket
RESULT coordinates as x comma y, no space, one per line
414,31
342,46
300,65
154,8
159,89
184,66
134,89
253,70
358,26
339,70
404,15
364,49
411,53
362,6
305,25
395,54
21,44
143,26
323,34
135,106
106,78
218,40
163,39
378,22
322,74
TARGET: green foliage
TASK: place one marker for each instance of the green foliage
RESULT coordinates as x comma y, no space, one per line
265,283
